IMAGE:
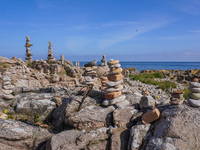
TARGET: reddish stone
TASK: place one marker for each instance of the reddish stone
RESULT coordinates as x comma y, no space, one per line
103,87
150,116
115,77
195,80
113,95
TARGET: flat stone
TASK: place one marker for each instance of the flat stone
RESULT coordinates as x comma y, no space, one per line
123,104
3,116
111,89
112,83
89,79
115,66
87,83
117,71
178,92
7,91
104,81
176,102
150,116
117,100
8,87
6,78
194,96
112,95
115,77
147,101
193,89
8,97
104,78
113,62
6,83
195,84
195,80
193,102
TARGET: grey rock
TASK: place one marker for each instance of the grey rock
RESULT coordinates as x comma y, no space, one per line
7,91
8,97
115,66
134,98
111,89
101,145
195,84
8,87
105,102
87,82
112,83
147,101
117,100
193,89
194,96
137,135
89,79
122,104
6,83
6,78
194,102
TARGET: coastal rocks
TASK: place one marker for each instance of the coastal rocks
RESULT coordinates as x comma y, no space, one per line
177,97
113,93
18,135
194,96
91,117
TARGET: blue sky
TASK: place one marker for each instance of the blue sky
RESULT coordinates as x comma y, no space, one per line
128,30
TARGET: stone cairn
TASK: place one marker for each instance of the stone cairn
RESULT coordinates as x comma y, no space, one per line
113,92
62,59
104,80
177,97
104,61
194,96
91,69
28,58
7,88
50,54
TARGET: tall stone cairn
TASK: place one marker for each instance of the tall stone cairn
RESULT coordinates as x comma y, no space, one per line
194,96
50,53
113,92
28,58
62,59
104,61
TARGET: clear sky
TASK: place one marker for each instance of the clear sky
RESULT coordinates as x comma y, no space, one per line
128,30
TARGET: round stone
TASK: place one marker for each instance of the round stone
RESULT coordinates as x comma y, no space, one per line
194,96
193,89
105,102
195,80
194,103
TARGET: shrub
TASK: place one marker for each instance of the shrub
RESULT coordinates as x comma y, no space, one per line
186,93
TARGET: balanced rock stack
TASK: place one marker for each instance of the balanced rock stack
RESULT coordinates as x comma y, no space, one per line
194,96
113,92
177,97
88,80
7,88
104,80
91,69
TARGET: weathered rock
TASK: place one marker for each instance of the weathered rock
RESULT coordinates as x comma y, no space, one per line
113,62
194,96
147,101
195,84
115,77
117,100
91,117
8,97
101,145
195,90
150,116
7,91
65,140
122,104
19,135
134,98
8,87
179,121
137,135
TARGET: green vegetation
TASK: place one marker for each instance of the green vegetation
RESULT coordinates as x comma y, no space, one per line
37,117
186,93
150,79
29,64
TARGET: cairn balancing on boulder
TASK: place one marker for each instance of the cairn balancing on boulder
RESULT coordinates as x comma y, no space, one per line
194,96
113,93
90,64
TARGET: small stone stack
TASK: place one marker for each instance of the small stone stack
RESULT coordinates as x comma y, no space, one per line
113,92
88,80
104,61
62,59
7,88
28,58
194,96
104,80
177,97
50,54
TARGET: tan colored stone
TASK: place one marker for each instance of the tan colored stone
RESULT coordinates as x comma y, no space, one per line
104,81
145,93
104,78
116,71
103,87
113,62
113,95
115,77
150,116
195,80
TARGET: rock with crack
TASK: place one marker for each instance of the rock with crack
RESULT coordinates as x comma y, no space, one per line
91,117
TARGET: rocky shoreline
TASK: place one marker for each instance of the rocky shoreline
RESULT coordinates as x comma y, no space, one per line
39,103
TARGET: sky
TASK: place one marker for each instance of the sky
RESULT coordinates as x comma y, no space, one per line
83,30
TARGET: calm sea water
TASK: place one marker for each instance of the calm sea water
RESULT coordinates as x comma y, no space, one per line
155,65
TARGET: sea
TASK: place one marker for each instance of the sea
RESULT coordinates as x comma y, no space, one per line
154,65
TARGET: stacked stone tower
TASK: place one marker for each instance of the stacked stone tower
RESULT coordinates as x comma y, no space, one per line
28,58
194,96
50,54
113,92
104,61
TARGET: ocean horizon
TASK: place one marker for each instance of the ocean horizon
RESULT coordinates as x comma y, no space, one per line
153,65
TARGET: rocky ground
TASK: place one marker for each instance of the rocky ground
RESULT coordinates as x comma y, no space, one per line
41,113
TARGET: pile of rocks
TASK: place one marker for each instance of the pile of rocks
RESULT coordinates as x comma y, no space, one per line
28,51
113,92
177,97
104,80
194,96
88,80
7,88
90,71
50,54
